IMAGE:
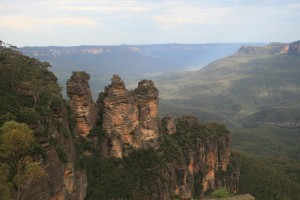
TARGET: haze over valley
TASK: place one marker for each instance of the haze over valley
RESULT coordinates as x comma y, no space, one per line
132,62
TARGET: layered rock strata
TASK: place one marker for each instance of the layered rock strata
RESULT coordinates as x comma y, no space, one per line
204,163
129,118
267,49
147,101
81,102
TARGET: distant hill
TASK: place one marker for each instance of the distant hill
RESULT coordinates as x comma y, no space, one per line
251,81
132,62
255,91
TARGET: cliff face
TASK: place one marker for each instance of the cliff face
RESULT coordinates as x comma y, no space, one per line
147,99
294,48
267,49
36,100
273,48
63,181
205,160
81,102
169,125
129,118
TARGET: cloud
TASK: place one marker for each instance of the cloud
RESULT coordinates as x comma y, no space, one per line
23,23
148,21
235,1
109,8
183,14
71,21
18,22
293,6
106,7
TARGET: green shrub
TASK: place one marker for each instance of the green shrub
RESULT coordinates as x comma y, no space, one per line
29,116
220,193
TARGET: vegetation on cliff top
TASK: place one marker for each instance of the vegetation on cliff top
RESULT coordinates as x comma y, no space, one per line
143,173
29,95
17,156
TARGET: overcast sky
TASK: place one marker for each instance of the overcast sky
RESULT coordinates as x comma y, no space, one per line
112,22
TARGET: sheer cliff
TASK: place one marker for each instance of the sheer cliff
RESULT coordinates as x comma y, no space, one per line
29,94
201,160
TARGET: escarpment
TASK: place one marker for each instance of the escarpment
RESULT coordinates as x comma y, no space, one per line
267,49
203,161
81,102
63,180
272,49
34,99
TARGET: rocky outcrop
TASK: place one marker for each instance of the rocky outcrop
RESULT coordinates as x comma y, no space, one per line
39,95
81,102
62,181
205,161
168,122
273,48
129,118
147,101
294,48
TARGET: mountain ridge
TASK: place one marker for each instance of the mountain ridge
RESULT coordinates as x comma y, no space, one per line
221,77
132,62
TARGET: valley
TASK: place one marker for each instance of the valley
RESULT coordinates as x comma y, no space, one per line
132,62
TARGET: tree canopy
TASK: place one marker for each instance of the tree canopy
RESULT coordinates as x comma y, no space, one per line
19,167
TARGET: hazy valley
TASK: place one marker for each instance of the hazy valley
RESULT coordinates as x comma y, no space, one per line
132,62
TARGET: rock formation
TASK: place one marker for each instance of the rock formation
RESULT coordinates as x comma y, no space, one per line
205,162
168,122
81,102
63,181
294,48
53,148
129,118
272,48
147,100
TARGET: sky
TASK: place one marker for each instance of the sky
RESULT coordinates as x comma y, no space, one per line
115,22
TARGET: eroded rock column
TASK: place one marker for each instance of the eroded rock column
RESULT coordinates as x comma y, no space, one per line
129,118
147,99
81,102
